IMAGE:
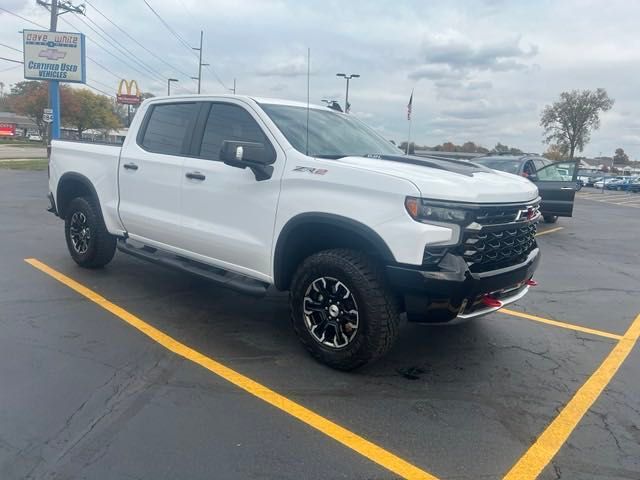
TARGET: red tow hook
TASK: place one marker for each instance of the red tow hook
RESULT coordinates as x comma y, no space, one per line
532,283
491,302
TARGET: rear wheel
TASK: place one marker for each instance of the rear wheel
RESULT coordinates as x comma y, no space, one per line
342,310
550,218
88,241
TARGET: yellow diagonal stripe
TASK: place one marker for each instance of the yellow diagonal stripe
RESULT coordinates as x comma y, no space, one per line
556,323
556,434
349,439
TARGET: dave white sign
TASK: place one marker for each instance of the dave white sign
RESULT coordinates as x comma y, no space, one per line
54,56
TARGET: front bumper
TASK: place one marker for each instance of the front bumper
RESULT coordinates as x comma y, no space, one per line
454,292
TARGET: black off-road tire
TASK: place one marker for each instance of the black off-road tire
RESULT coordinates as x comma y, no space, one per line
550,218
378,307
101,245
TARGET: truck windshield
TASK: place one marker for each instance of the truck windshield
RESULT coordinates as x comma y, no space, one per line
331,134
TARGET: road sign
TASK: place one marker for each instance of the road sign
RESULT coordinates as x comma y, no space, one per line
47,118
48,110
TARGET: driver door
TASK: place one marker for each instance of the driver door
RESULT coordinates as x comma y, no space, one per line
557,186
227,215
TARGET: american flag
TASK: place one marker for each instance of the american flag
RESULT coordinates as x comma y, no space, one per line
409,106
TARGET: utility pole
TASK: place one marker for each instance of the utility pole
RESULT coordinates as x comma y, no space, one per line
347,107
200,64
169,80
234,86
56,8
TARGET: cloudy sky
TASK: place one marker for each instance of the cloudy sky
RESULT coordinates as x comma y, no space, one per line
482,70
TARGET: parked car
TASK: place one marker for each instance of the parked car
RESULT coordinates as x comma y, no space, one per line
252,193
606,180
620,184
634,186
34,138
556,182
592,180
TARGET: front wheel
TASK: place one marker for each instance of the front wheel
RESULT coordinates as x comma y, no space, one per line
88,241
342,310
550,218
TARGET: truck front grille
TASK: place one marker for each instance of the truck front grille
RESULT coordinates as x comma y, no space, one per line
491,249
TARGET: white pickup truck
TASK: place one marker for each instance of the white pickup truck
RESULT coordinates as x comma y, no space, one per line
253,193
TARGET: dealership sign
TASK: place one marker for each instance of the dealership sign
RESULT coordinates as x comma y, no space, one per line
54,56
130,94
7,129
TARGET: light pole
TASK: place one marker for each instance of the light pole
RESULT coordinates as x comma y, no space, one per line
346,97
169,80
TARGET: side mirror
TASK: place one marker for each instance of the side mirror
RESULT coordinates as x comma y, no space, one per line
256,156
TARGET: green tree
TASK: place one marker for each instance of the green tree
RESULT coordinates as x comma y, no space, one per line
87,110
620,157
570,121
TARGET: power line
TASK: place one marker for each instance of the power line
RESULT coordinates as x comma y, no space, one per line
105,69
25,19
168,27
123,50
101,91
10,68
11,60
11,48
137,42
129,65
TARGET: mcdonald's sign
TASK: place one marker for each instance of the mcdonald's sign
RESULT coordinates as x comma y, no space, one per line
130,95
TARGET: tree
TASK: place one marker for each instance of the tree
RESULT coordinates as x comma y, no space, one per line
500,148
469,147
87,110
620,157
448,147
570,121
556,153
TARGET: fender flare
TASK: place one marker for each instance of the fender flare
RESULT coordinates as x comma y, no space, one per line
361,230
78,177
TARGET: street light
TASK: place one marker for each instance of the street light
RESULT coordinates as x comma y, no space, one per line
169,80
346,97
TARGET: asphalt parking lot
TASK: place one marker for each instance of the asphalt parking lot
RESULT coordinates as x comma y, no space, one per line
163,376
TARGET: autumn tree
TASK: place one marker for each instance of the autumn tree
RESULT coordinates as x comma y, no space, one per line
620,157
570,121
556,153
87,110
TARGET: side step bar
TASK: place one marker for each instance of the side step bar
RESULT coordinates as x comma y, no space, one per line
222,277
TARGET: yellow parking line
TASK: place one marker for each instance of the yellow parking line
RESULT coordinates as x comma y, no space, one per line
538,456
551,230
349,439
556,323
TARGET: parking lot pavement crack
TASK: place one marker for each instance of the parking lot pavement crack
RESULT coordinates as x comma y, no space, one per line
557,471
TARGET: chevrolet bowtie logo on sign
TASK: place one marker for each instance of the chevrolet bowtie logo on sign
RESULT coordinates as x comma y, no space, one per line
54,56
131,93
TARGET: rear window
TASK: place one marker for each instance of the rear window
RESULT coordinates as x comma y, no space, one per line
509,166
167,127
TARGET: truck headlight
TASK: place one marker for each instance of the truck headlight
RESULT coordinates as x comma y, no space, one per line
427,211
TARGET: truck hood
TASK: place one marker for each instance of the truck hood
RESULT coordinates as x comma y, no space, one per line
451,180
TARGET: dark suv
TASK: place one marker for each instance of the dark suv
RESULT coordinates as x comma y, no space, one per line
557,182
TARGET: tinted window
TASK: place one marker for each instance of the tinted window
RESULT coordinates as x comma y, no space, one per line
539,163
228,122
167,126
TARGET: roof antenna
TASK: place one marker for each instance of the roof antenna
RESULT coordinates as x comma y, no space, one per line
308,93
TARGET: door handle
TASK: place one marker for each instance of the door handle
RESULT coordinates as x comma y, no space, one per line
130,166
195,176
567,188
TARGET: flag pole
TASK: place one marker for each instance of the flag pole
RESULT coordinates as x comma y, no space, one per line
409,136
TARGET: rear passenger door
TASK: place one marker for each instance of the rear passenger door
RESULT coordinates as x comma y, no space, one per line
557,186
150,173
227,215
